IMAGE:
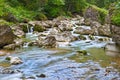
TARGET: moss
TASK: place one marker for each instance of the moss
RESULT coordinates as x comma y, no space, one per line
4,22
40,16
39,28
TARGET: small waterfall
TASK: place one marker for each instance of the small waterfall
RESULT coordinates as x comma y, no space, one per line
30,29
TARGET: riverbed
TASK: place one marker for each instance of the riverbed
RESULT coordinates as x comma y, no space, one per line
63,63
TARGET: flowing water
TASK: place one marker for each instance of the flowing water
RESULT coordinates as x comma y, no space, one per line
63,63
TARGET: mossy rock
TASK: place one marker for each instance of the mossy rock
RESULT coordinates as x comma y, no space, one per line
82,37
82,52
95,13
91,37
40,16
4,22
39,28
9,17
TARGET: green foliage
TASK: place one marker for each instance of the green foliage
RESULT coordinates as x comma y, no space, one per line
116,18
75,6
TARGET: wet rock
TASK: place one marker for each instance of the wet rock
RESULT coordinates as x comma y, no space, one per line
49,42
31,77
91,37
84,30
82,37
9,71
6,35
103,39
65,37
14,60
41,76
83,52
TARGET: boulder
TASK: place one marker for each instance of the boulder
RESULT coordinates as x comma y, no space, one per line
14,60
112,49
18,43
6,35
18,30
84,30
9,17
116,34
65,36
49,42
104,30
65,25
95,13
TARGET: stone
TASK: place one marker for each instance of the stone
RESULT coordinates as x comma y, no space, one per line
81,37
83,52
49,42
14,60
6,35
116,34
65,36
104,30
41,75
84,30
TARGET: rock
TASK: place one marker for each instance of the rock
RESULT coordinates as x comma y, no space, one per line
104,39
40,25
7,71
18,30
18,43
104,30
91,13
83,52
9,17
94,13
65,26
41,75
55,31
6,35
14,60
116,34
84,30
65,36
91,37
50,42
112,49
82,37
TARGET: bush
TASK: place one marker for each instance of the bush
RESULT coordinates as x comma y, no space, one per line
40,16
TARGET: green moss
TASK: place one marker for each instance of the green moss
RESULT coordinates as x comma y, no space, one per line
4,22
39,28
40,16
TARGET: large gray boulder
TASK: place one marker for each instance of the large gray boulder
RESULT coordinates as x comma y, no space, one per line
65,36
104,30
116,34
6,35
84,30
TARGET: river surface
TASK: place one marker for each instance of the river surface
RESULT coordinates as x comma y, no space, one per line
64,63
